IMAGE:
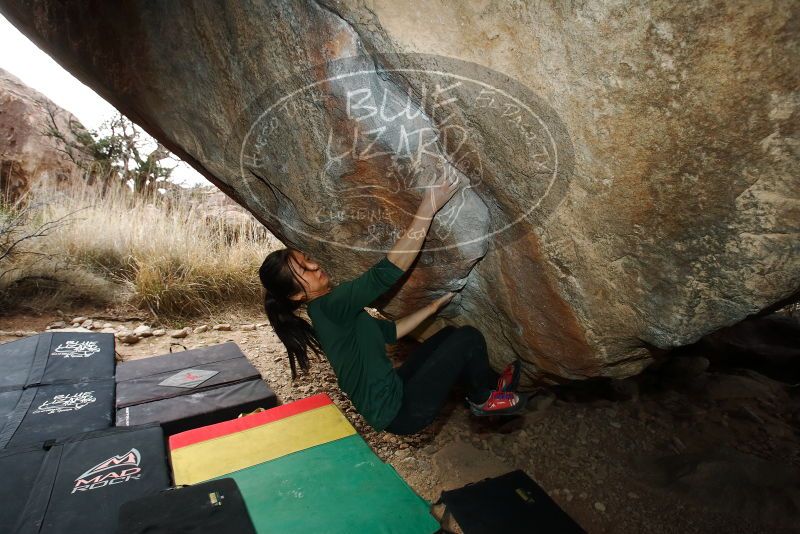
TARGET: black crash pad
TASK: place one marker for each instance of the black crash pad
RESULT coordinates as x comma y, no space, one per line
79,484
213,507
234,386
510,503
55,411
138,380
53,357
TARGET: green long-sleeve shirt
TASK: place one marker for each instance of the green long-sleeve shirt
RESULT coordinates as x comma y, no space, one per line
355,342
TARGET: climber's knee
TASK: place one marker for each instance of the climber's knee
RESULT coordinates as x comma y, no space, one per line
471,334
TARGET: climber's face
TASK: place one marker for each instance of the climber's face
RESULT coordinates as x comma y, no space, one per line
308,273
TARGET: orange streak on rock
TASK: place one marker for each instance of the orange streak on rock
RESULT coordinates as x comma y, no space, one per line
549,327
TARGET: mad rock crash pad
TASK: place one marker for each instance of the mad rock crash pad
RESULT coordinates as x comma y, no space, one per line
79,483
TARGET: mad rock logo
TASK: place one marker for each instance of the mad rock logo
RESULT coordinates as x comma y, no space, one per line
76,349
115,470
66,403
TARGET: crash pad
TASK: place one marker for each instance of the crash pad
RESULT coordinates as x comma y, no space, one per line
214,450
56,357
336,487
190,389
302,467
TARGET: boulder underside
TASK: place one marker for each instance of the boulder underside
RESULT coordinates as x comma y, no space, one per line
629,173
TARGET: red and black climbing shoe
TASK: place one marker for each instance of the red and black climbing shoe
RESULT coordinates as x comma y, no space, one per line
499,403
509,378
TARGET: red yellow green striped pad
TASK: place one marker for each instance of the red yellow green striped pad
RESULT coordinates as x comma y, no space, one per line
339,487
215,450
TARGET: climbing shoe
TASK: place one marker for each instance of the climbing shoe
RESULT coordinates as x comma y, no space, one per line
499,403
509,378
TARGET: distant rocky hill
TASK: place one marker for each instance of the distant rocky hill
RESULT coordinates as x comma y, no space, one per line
28,156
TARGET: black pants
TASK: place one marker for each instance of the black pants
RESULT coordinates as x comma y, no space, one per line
451,355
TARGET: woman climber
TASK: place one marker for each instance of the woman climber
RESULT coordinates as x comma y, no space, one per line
401,400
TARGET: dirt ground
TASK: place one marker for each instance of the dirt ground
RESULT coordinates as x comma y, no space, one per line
695,451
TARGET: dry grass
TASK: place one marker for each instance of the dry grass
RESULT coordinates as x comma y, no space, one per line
162,256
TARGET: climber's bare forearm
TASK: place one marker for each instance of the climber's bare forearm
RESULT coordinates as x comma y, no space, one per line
407,247
406,324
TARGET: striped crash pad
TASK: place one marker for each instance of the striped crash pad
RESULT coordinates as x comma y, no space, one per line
301,467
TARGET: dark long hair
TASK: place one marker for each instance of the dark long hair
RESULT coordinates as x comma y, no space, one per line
295,333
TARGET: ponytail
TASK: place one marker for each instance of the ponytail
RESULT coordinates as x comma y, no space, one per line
296,334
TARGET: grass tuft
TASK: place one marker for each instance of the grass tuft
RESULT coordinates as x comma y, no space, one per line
159,254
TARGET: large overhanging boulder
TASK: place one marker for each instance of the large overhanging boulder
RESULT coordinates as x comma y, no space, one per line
629,172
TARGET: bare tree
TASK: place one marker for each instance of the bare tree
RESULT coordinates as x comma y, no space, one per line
119,152
76,142
16,231
143,170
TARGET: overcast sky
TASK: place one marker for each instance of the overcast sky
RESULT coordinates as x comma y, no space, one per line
20,57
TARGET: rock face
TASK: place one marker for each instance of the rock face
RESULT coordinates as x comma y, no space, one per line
28,157
629,173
